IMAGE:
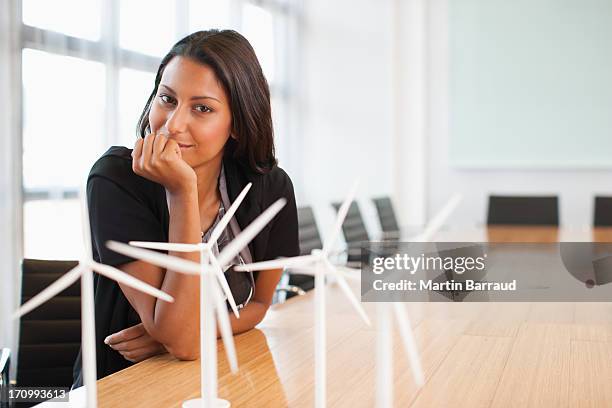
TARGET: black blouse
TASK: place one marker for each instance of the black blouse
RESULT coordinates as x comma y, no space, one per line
126,207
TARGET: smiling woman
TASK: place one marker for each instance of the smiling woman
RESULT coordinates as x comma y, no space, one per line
206,132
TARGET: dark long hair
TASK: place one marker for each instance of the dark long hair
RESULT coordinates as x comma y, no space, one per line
235,64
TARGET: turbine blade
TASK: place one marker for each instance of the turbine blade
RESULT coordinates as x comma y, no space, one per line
53,289
223,282
233,247
127,279
216,233
281,263
342,211
167,246
163,260
403,322
349,273
438,220
348,269
226,329
349,293
311,271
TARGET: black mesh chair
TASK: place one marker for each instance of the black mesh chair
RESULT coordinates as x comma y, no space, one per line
50,335
354,231
603,212
386,216
297,284
516,210
5,367
310,238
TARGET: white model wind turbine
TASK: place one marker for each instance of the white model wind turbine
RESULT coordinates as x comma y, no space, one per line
318,264
206,248
84,270
384,333
211,295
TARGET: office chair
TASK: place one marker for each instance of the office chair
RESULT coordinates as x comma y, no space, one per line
355,232
523,210
386,216
50,335
292,284
603,212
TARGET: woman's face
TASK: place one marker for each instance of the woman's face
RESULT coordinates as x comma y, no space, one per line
191,105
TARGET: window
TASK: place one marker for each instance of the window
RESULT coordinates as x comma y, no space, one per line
259,29
51,15
87,73
134,88
156,30
63,120
62,135
210,14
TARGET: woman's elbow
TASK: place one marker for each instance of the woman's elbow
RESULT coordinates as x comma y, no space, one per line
186,352
182,344
180,338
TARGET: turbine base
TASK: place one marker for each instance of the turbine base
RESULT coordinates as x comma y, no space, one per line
199,403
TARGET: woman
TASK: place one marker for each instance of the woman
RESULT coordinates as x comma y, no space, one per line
206,132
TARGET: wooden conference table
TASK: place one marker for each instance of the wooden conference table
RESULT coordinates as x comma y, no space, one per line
473,354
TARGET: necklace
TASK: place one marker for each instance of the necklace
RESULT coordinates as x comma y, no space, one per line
220,214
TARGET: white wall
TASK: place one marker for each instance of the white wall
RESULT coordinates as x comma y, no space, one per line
347,122
576,188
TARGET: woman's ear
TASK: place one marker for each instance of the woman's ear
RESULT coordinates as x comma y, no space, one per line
232,136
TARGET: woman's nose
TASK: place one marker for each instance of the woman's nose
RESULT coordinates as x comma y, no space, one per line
176,122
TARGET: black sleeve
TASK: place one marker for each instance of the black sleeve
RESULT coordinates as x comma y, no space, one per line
120,215
283,240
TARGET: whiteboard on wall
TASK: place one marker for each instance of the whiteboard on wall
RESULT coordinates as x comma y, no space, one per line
530,83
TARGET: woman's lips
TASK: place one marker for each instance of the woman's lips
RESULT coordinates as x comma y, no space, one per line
185,146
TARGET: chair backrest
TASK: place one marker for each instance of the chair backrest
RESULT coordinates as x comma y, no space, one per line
603,212
309,232
50,335
353,228
386,214
309,239
523,210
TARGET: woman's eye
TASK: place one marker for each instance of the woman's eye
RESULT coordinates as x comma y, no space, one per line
166,98
203,108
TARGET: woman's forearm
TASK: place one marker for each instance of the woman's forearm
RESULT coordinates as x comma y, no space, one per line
176,324
250,316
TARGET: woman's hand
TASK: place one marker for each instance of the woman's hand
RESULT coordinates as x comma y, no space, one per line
134,344
158,158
